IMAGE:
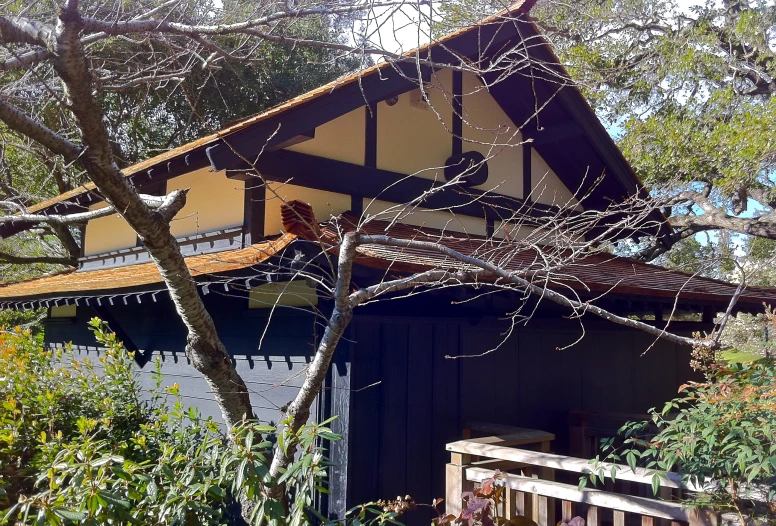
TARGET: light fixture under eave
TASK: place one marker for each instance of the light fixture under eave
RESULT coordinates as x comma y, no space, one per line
63,311
296,293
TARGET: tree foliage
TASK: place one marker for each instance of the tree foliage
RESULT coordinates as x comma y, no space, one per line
79,444
720,435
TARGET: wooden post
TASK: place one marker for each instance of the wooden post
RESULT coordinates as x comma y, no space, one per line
533,498
592,516
647,521
619,518
665,494
567,513
456,483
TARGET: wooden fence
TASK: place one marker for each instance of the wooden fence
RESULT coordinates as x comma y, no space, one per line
531,489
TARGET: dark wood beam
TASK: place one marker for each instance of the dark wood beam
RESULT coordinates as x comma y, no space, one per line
370,137
253,215
457,112
341,177
303,137
370,156
553,134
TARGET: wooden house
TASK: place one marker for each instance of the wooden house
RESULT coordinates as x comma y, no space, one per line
359,146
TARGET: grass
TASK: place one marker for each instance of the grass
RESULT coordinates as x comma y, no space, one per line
738,356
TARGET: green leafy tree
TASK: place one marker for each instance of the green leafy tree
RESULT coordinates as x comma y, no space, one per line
719,436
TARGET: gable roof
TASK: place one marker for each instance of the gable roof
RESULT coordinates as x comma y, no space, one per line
516,8
565,116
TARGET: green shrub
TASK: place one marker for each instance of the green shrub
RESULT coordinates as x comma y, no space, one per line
720,436
78,445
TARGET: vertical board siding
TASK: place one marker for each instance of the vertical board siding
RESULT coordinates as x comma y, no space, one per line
366,419
393,409
420,425
534,378
445,412
478,375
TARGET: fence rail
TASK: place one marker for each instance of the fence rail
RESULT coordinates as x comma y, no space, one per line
533,492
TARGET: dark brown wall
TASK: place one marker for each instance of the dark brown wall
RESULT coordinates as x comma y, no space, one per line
398,428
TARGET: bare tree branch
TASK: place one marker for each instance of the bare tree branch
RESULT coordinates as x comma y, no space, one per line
18,121
501,274
165,26
33,260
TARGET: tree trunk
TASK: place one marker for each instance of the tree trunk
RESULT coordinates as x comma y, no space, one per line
204,348
299,410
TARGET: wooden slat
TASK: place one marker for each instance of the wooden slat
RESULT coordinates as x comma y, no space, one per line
496,450
494,463
544,512
567,511
521,438
592,516
510,504
486,428
647,521
602,499
517,504
619,518
546,473
665,494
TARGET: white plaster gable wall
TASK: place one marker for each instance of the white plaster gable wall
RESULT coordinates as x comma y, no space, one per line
214,202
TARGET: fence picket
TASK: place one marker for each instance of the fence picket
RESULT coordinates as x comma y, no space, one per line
592,516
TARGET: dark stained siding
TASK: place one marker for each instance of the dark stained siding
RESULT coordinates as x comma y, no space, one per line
420,421
393,408
272,372
365,417
401,397
399,429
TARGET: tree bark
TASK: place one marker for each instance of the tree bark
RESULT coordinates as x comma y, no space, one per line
299,409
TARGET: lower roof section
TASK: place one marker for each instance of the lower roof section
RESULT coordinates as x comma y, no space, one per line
592,277
144,278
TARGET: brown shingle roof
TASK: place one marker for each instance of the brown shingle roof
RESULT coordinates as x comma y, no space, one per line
592,275
75,283
597,273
